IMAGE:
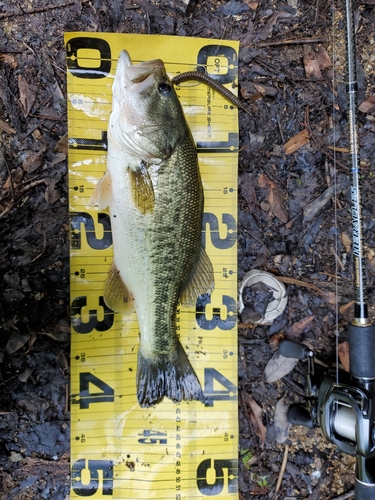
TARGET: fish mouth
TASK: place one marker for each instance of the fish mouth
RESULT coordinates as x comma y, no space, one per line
136,73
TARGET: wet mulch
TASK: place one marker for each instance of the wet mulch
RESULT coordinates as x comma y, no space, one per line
293,150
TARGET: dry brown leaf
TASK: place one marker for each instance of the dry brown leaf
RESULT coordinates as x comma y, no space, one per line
323,58
28,94
297,328
255,417
33,161
252,4
17,176
368,106
296,142
62,145
343,351
15,342
275,196
278,366
52,193
312,68
6,127
9,59
347,311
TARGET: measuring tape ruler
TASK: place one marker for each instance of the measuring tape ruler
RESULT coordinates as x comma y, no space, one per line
173,451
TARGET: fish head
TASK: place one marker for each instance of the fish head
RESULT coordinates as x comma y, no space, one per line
147,118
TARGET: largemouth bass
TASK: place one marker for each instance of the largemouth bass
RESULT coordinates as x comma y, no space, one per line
154,192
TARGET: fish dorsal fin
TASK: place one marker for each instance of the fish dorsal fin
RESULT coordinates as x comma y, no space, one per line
102,194
201,281
116,295
142,190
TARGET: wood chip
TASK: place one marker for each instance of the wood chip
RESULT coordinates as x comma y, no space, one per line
275,198
297,142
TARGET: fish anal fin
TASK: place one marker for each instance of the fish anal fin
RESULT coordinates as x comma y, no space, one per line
168,375
142,190
102,194
201,281
116,295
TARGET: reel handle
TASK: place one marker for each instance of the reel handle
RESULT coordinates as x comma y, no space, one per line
292,349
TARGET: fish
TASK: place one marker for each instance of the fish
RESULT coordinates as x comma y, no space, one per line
153,188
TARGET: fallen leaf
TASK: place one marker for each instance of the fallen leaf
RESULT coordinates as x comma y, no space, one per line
255,417
347,311
343,351
278,366
6,127
15,342
9,59
28,94
281,423
296,142
33,161
299,326
62,145
252,4
312,68
368,106
52,193
275,197
323,58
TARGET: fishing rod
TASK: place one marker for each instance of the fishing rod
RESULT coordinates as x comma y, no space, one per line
344,405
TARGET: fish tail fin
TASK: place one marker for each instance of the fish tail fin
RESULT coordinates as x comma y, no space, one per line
171,376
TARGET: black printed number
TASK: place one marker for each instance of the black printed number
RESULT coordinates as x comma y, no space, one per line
211,477
93,323
202,315
229,239
227,393
92,47
79,218
96,468
85,398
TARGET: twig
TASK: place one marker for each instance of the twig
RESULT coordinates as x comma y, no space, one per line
4,15
10,180
282,470
345,496
291,41
10,205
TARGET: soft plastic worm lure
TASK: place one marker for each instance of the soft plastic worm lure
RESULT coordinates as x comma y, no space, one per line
203,78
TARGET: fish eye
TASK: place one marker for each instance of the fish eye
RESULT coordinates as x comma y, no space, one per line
164,88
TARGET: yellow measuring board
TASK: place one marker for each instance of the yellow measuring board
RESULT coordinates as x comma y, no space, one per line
172,451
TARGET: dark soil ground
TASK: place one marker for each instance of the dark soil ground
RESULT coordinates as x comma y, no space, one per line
289,54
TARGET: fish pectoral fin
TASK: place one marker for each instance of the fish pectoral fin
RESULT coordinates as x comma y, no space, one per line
102,194
116,295
201,281
142,190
